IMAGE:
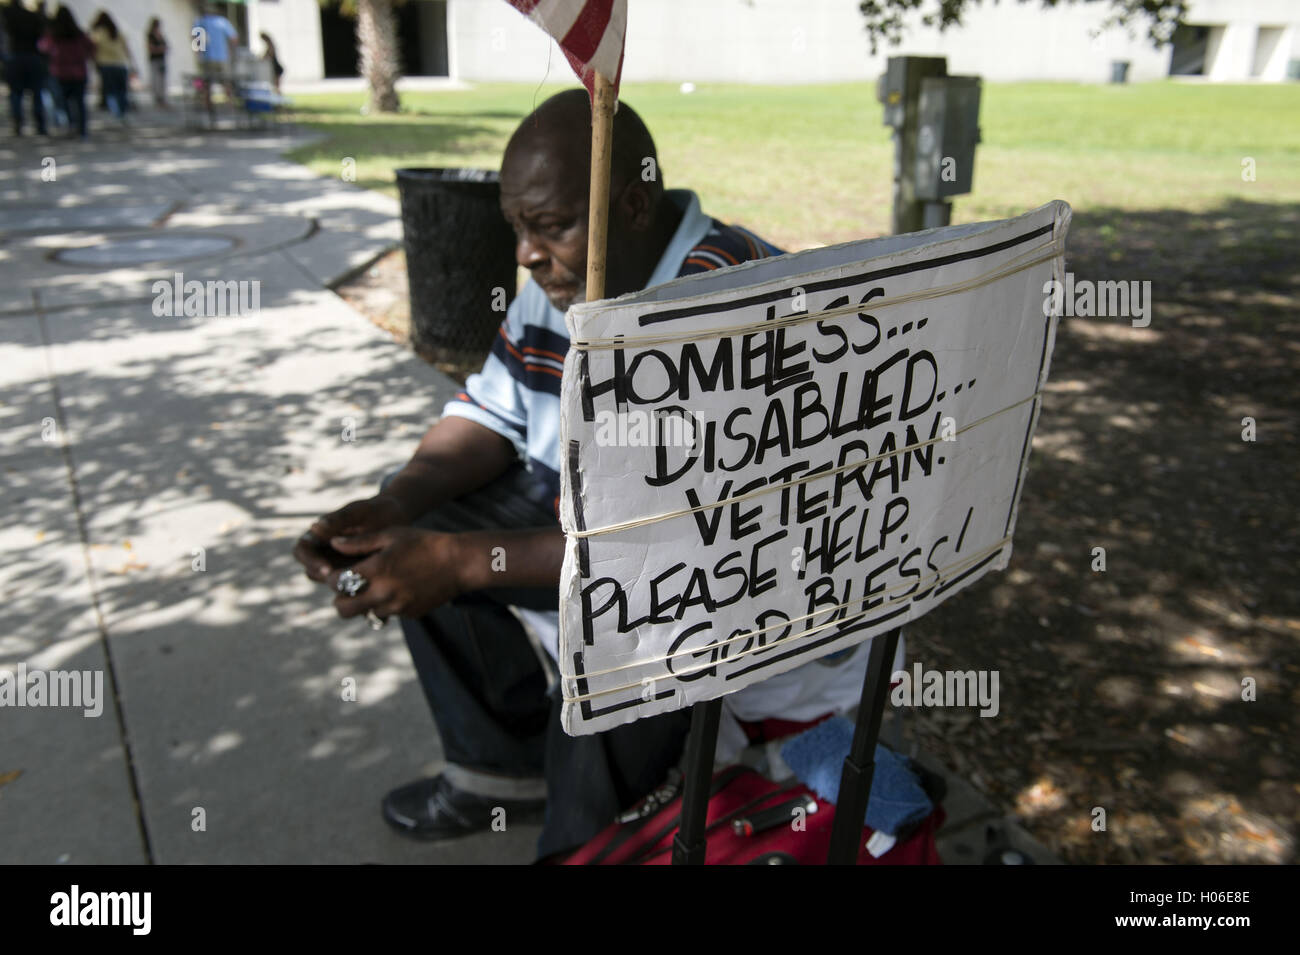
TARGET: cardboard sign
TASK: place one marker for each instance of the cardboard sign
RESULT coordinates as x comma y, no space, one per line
773,462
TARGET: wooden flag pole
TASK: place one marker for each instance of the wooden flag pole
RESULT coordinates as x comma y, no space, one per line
602,145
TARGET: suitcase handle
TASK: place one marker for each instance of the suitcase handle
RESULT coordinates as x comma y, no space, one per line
855,779
649,854
766,819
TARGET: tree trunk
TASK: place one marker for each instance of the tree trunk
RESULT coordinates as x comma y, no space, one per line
377,44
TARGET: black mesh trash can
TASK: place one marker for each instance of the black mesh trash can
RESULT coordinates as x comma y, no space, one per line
1119,71
460,260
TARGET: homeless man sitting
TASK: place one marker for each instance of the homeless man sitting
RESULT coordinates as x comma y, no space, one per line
486,476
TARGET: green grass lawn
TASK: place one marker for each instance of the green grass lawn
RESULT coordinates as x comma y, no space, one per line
811,164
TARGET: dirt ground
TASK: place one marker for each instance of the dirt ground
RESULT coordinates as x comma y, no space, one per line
1122,690
380,293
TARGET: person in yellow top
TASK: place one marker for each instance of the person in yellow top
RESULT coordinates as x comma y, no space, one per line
115,63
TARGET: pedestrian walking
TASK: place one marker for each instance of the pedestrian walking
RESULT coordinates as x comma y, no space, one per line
24,65
115,63
69,49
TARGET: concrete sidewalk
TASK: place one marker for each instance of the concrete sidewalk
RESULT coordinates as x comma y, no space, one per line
157,469
137,448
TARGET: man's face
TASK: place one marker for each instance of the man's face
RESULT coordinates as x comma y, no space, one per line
545,200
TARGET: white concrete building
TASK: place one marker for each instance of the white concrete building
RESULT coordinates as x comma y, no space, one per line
756,41
294,26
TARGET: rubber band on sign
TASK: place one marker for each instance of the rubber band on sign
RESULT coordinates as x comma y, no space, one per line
1034,257
687,511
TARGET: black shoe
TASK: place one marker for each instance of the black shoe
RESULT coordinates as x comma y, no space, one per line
434,809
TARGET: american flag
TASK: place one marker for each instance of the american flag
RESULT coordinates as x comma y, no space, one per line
590,32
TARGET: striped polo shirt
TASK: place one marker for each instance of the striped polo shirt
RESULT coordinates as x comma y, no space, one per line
517,394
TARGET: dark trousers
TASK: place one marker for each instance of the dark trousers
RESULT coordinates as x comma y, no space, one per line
114,81
487,688
55,90
25,72
74,97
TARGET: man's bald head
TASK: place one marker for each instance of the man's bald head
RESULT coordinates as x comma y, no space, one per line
545,182
561,129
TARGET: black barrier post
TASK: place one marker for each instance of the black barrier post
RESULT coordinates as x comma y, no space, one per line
701,744
860,764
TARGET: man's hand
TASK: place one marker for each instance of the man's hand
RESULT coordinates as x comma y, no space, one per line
373,514
408,571
456,456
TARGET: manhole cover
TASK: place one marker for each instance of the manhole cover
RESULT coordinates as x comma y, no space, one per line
147,249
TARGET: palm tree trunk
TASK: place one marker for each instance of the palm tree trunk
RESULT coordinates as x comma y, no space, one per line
377,44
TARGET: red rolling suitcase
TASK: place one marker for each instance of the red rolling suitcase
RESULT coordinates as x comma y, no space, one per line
750,821
736,816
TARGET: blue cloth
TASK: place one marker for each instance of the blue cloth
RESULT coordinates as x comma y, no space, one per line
817,758
217,29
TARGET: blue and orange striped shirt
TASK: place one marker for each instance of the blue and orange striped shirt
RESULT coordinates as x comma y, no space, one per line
517,394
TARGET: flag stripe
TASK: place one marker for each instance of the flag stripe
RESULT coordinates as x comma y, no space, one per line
591,34
587,31
608,58
558,17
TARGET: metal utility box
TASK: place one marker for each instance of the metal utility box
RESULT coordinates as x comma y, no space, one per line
948,130
899,84
935,118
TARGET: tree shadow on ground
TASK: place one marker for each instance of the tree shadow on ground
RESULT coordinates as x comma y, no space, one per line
217,441
456,135
197,450
1123,689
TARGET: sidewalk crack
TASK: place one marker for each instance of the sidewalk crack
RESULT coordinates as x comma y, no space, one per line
79,512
